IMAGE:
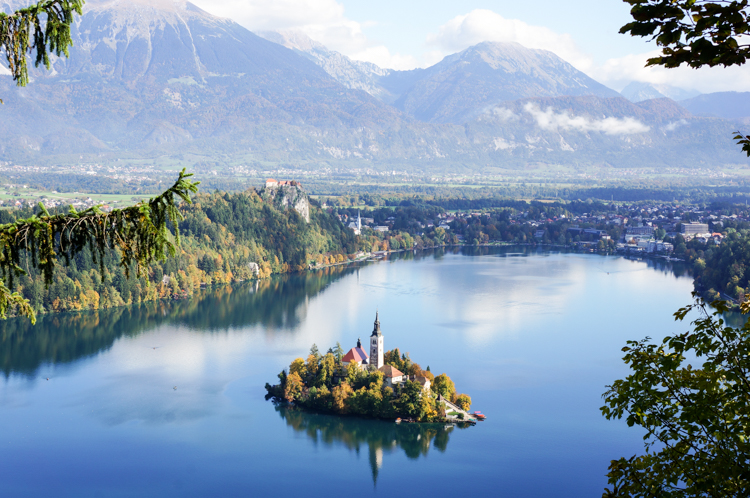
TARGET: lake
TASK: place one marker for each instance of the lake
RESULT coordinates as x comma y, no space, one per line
167,399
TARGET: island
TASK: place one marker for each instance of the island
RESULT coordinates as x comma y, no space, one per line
385,385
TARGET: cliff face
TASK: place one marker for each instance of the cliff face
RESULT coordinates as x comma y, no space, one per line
288,196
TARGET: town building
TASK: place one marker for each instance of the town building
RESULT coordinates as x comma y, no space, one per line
646,230
694,228
356,225
271,183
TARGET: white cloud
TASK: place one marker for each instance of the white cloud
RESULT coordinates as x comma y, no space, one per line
381,56
618,72
482,25
674,125
504,114
553,121
322,20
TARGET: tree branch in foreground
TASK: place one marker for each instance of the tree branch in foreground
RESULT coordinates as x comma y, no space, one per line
140,233
40,28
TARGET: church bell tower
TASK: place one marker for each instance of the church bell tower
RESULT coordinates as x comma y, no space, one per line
376,345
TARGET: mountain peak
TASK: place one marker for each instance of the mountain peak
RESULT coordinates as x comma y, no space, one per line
292,39
463,85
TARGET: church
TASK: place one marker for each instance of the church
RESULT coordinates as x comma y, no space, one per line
373,360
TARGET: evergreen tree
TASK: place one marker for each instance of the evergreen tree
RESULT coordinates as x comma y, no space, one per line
140,232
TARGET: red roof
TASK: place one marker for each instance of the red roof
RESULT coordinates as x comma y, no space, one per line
355,354
390,371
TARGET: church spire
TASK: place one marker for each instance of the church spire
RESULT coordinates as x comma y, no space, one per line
376,327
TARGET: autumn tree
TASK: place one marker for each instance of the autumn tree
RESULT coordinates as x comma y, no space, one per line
339,395
443,385
298,367
463,401
312,366
293,387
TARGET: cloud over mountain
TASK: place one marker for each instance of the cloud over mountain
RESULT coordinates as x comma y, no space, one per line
550,120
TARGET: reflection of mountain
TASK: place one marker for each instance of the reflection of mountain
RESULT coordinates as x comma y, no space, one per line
277,303
380,437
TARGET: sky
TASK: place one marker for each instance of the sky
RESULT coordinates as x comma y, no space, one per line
405,34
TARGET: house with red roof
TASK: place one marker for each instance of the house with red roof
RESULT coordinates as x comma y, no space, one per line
391,375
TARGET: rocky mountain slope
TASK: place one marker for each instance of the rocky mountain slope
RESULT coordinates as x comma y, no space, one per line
144,73
356,75
164,79
461,86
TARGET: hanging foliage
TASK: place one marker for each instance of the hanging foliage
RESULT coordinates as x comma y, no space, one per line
140,233
40,29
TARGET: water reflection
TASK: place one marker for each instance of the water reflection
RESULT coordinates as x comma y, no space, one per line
380,437
277,304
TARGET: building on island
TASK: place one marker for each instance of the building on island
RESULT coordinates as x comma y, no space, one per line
391,375
376,345
357,355
423,381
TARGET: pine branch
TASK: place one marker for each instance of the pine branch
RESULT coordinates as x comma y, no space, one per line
40,28
140,233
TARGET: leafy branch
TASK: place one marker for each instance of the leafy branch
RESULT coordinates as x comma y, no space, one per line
693,32
140,233
744,141
40,28
695,418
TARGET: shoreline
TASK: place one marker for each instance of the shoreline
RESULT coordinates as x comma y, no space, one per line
369,257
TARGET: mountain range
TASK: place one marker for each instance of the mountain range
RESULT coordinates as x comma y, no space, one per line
160,78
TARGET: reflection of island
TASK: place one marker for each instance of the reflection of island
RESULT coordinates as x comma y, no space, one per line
277,303
380,437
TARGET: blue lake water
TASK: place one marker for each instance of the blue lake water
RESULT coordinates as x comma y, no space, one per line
532,337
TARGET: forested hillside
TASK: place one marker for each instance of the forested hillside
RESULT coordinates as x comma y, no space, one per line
224,238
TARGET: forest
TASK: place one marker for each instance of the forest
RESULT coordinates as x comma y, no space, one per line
224,238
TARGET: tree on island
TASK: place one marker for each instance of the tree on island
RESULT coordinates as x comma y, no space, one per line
327,385
140,233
